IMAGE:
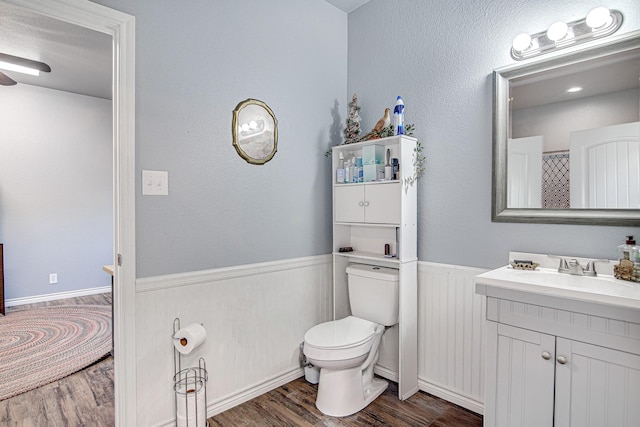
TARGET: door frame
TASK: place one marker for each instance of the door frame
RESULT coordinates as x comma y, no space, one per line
121,27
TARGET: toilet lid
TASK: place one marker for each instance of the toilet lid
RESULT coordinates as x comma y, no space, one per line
348,332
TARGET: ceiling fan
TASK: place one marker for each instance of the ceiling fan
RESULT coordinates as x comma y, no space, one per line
21,65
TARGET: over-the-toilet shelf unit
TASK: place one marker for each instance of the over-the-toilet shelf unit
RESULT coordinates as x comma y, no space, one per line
366,216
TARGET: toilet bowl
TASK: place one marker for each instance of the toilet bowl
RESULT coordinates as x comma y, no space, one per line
346,350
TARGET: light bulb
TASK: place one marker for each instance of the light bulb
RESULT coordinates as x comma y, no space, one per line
557,31
253,124
521,42
598,17
574,89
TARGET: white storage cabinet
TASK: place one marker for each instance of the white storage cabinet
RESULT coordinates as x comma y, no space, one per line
366,216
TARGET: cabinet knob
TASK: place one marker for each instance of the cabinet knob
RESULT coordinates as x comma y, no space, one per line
360,203
561,360
546,355
366,203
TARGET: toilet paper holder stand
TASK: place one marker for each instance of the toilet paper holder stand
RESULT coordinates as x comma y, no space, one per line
189,385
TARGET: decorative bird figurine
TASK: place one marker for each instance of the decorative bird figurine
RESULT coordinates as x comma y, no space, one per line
384,122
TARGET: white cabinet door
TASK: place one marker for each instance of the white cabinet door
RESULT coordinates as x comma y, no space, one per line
374,204
596,386
349,203
382,203
524,378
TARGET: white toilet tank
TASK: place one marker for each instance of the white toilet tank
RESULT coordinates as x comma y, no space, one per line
373,293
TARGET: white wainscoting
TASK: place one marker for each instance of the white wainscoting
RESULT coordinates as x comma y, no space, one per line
255,317
451,334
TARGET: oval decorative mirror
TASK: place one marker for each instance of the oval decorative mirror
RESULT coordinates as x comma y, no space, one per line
255,131
566,137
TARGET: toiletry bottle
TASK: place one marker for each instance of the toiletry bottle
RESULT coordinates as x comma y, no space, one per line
340,169
635,258
395,164
354,171
398,117
360,169
388,170
625,250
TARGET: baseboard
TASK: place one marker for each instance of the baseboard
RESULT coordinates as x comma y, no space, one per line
235,399
451,396
386,373
55,296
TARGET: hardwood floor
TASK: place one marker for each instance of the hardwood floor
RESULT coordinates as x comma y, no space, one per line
86,399
293,405
82,399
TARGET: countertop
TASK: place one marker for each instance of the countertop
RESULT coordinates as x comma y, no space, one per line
603,289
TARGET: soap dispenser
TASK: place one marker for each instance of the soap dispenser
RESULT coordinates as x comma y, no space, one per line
625,250
624,270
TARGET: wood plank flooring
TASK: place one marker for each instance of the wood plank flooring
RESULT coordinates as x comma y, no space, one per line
82,399
293,405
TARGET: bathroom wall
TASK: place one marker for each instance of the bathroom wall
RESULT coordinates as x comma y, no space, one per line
225,247
56,196
439,57
194,63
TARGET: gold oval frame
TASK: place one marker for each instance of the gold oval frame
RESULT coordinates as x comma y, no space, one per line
258,139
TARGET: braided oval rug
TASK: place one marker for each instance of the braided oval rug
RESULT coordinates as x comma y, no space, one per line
42,345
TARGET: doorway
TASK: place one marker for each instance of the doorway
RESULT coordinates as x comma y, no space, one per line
121,28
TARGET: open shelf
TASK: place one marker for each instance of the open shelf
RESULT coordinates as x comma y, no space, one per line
368,256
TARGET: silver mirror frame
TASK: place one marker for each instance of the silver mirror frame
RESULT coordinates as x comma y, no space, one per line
501,78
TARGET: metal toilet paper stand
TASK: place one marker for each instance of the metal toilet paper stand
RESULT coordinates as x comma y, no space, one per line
189,385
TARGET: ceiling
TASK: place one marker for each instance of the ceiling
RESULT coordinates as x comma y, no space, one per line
348,5
80,59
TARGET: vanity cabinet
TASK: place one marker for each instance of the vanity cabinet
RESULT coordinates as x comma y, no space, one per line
366,217
555,362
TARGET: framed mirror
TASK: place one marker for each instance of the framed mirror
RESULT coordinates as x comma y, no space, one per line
255,131
566,136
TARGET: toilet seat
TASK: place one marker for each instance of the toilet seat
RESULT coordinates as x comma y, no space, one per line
342,339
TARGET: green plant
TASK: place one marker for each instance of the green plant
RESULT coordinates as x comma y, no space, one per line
418,165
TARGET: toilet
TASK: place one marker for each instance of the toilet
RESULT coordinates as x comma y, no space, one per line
346,350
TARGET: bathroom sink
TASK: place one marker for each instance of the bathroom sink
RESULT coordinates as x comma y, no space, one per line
602,289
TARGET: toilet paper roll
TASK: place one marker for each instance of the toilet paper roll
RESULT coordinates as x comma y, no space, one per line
186,413
189,337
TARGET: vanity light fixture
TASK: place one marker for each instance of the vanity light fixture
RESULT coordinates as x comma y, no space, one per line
598,23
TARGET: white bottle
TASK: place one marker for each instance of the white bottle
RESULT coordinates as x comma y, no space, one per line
340,169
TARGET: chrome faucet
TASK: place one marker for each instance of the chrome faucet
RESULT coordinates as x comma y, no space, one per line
573,267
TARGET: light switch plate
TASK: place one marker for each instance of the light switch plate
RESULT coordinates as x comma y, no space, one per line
155,183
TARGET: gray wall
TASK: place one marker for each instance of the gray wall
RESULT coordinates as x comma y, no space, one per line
194,62
56,199
439,57
556,121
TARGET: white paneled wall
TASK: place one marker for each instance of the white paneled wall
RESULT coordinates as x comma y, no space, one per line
451,334
255,317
